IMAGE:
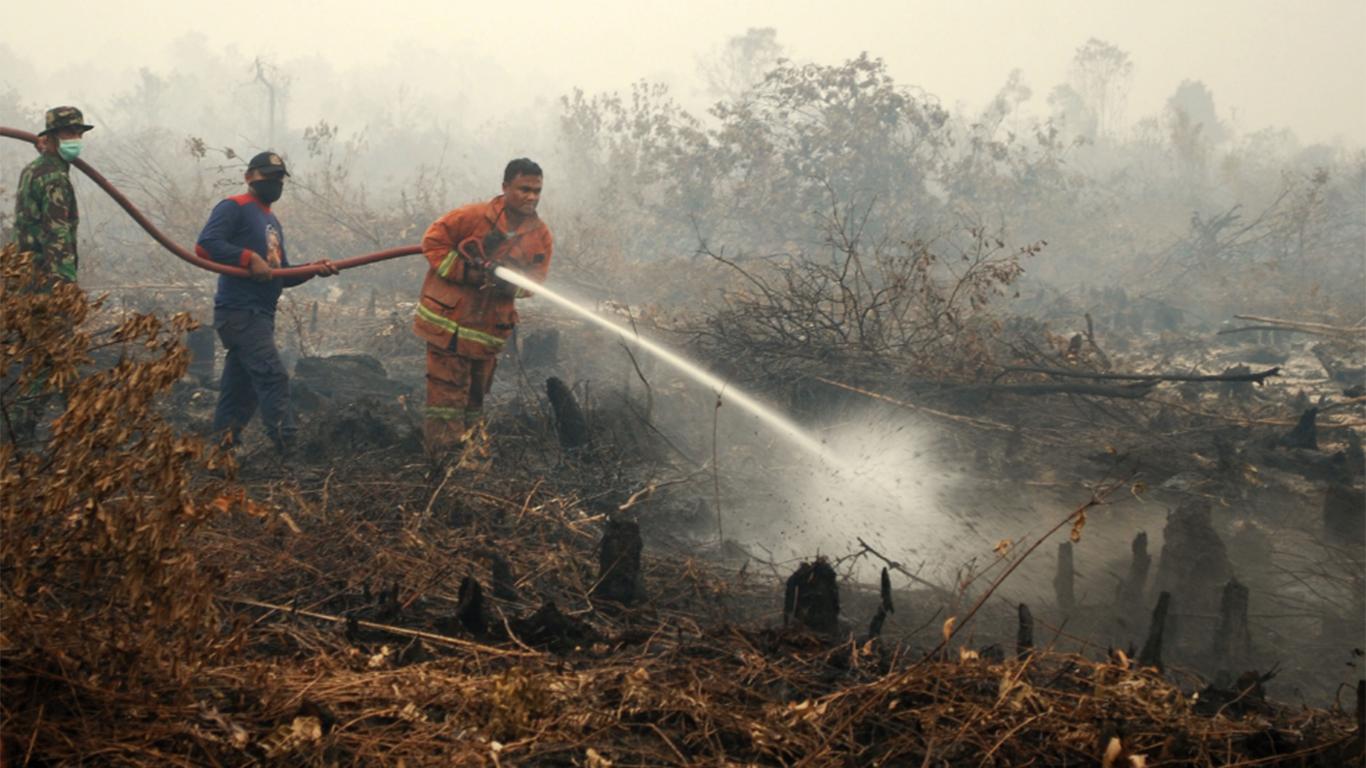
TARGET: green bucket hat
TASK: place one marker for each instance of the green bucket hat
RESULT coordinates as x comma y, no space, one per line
59,118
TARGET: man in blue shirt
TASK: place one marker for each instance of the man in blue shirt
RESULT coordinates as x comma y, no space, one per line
243,232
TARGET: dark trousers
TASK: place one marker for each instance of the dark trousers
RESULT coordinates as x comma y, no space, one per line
253,376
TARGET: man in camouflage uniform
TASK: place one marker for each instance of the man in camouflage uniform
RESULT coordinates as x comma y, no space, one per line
45,215
45,220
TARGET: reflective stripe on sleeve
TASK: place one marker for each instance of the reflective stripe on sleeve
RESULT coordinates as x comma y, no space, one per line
444,269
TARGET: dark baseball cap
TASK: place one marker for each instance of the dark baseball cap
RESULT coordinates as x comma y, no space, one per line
267,162
59,118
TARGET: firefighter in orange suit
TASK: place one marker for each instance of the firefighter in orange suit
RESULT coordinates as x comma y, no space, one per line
466,314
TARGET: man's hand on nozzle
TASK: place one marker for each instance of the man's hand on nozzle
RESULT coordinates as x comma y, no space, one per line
258,269
326,268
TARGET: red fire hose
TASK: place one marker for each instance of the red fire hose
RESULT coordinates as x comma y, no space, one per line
190,256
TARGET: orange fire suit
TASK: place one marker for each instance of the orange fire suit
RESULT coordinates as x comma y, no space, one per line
466,315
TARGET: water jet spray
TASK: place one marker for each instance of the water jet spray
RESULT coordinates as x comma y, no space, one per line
779,423
772,418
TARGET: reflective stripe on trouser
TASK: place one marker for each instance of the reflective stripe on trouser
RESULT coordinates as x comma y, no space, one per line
447,325
253,376
455,396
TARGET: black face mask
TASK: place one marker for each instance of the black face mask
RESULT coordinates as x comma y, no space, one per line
267,190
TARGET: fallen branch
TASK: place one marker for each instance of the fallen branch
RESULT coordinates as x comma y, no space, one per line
1134,391
981,423
1322,329
431,637
901,569
1257,377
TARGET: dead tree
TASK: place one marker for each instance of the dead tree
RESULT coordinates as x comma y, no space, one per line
1151,655
1232,644
1065,580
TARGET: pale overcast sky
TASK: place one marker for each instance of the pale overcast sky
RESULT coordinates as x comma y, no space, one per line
1300,65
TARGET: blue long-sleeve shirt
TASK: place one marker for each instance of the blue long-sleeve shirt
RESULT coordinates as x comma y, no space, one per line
237,227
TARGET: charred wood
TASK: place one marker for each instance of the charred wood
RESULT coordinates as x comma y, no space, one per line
884,606
812,597
1064,580
1133,391
470,610
1235,375
1024,633
1344,514
1132,588
1232,644
549,628
1194,563
619,576
1306,432
1151,655
504,584
570,424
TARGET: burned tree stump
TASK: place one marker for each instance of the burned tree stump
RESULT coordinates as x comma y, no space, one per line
812,597
1232,645
370,306
541,349
1344,514
470,610
1064,582
1024,634
884,606
1236,389
570,424
549,628
1228,455
1306,432
619,578
344,378
1356,456
1151,655
1131,590
504,584
1194,564
201,344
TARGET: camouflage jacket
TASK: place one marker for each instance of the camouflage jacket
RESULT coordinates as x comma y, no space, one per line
45,217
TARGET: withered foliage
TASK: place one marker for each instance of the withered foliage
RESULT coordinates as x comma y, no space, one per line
919,303
101,588
126,582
